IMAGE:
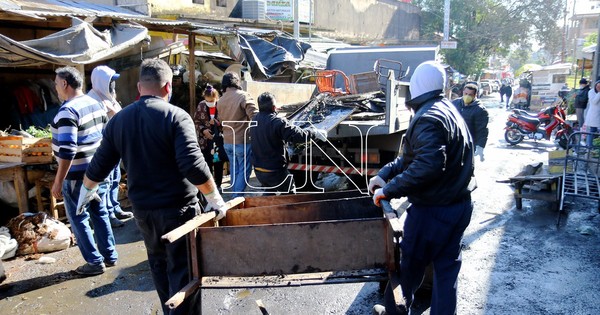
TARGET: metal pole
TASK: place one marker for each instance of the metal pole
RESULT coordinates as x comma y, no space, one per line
310,22
594,76
575,36
192,71
563,53
446,20
296,20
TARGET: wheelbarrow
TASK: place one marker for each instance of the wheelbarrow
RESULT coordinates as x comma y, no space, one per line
291,240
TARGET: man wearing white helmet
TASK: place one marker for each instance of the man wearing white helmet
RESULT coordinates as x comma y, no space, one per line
435,173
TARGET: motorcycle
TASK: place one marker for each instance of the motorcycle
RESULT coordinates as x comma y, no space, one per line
545,115
543,125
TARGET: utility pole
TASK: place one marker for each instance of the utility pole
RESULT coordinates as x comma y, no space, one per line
563,52
446,20
296,20
596,60
575,36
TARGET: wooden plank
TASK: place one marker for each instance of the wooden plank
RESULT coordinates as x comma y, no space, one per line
263,201
293,248
188,227
186,291
323,210
196,222
364,275
548,196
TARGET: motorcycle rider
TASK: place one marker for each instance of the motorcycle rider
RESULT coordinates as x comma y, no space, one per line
475,115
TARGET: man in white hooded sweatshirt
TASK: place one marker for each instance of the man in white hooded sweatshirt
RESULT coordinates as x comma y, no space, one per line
103,90
435,173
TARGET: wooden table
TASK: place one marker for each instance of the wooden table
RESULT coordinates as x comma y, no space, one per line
14,172
539,186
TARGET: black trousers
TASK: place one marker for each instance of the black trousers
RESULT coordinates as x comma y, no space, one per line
433,234
168,262
215,168
280,181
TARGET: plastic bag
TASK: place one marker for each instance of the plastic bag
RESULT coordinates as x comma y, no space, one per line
38,233
8,245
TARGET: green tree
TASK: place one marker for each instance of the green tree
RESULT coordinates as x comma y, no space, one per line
591,39
486,27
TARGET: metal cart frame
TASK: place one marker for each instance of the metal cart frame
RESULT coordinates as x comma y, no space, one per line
581,168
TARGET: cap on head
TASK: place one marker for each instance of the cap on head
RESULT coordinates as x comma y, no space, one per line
428,76
583,81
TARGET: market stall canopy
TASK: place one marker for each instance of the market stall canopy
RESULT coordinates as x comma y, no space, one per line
78,44
588,52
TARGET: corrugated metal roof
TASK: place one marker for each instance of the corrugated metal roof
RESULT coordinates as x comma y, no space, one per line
66,7
41,9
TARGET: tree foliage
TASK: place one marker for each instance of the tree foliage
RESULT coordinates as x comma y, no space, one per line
486,27
591,39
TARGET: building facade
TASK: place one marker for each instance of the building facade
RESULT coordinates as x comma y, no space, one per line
354,21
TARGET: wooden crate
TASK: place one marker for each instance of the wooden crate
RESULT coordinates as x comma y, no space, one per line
25,150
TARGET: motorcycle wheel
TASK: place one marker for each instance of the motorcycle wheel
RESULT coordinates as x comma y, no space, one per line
512,136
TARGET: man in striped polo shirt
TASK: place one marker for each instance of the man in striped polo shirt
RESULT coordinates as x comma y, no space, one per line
76,134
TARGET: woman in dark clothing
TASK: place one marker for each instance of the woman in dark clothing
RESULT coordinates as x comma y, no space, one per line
208,129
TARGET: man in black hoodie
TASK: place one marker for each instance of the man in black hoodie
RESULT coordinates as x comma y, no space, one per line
475,115
435,173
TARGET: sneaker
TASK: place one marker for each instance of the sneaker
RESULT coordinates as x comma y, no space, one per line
90,270
110,263
115,223
124,215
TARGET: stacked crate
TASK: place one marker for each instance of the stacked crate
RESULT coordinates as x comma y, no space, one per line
25,150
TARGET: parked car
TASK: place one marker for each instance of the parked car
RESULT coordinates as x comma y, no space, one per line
485,88
493,85
496,86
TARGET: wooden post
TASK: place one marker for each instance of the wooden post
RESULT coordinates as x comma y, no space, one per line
192,71
81,69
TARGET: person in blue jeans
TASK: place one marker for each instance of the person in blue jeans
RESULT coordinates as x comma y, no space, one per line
240,167
435,173
76,133
236,109
104,91
105,252
115,212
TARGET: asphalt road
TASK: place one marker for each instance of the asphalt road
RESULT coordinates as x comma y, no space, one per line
514,261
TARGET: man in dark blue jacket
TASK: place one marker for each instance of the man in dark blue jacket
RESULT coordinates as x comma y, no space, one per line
269,133
475,115
435,172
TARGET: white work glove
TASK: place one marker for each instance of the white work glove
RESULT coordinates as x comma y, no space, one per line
378,196
320,134
479,151
376,182
85,197
216,203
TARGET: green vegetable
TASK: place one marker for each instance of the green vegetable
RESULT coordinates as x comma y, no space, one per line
39,133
